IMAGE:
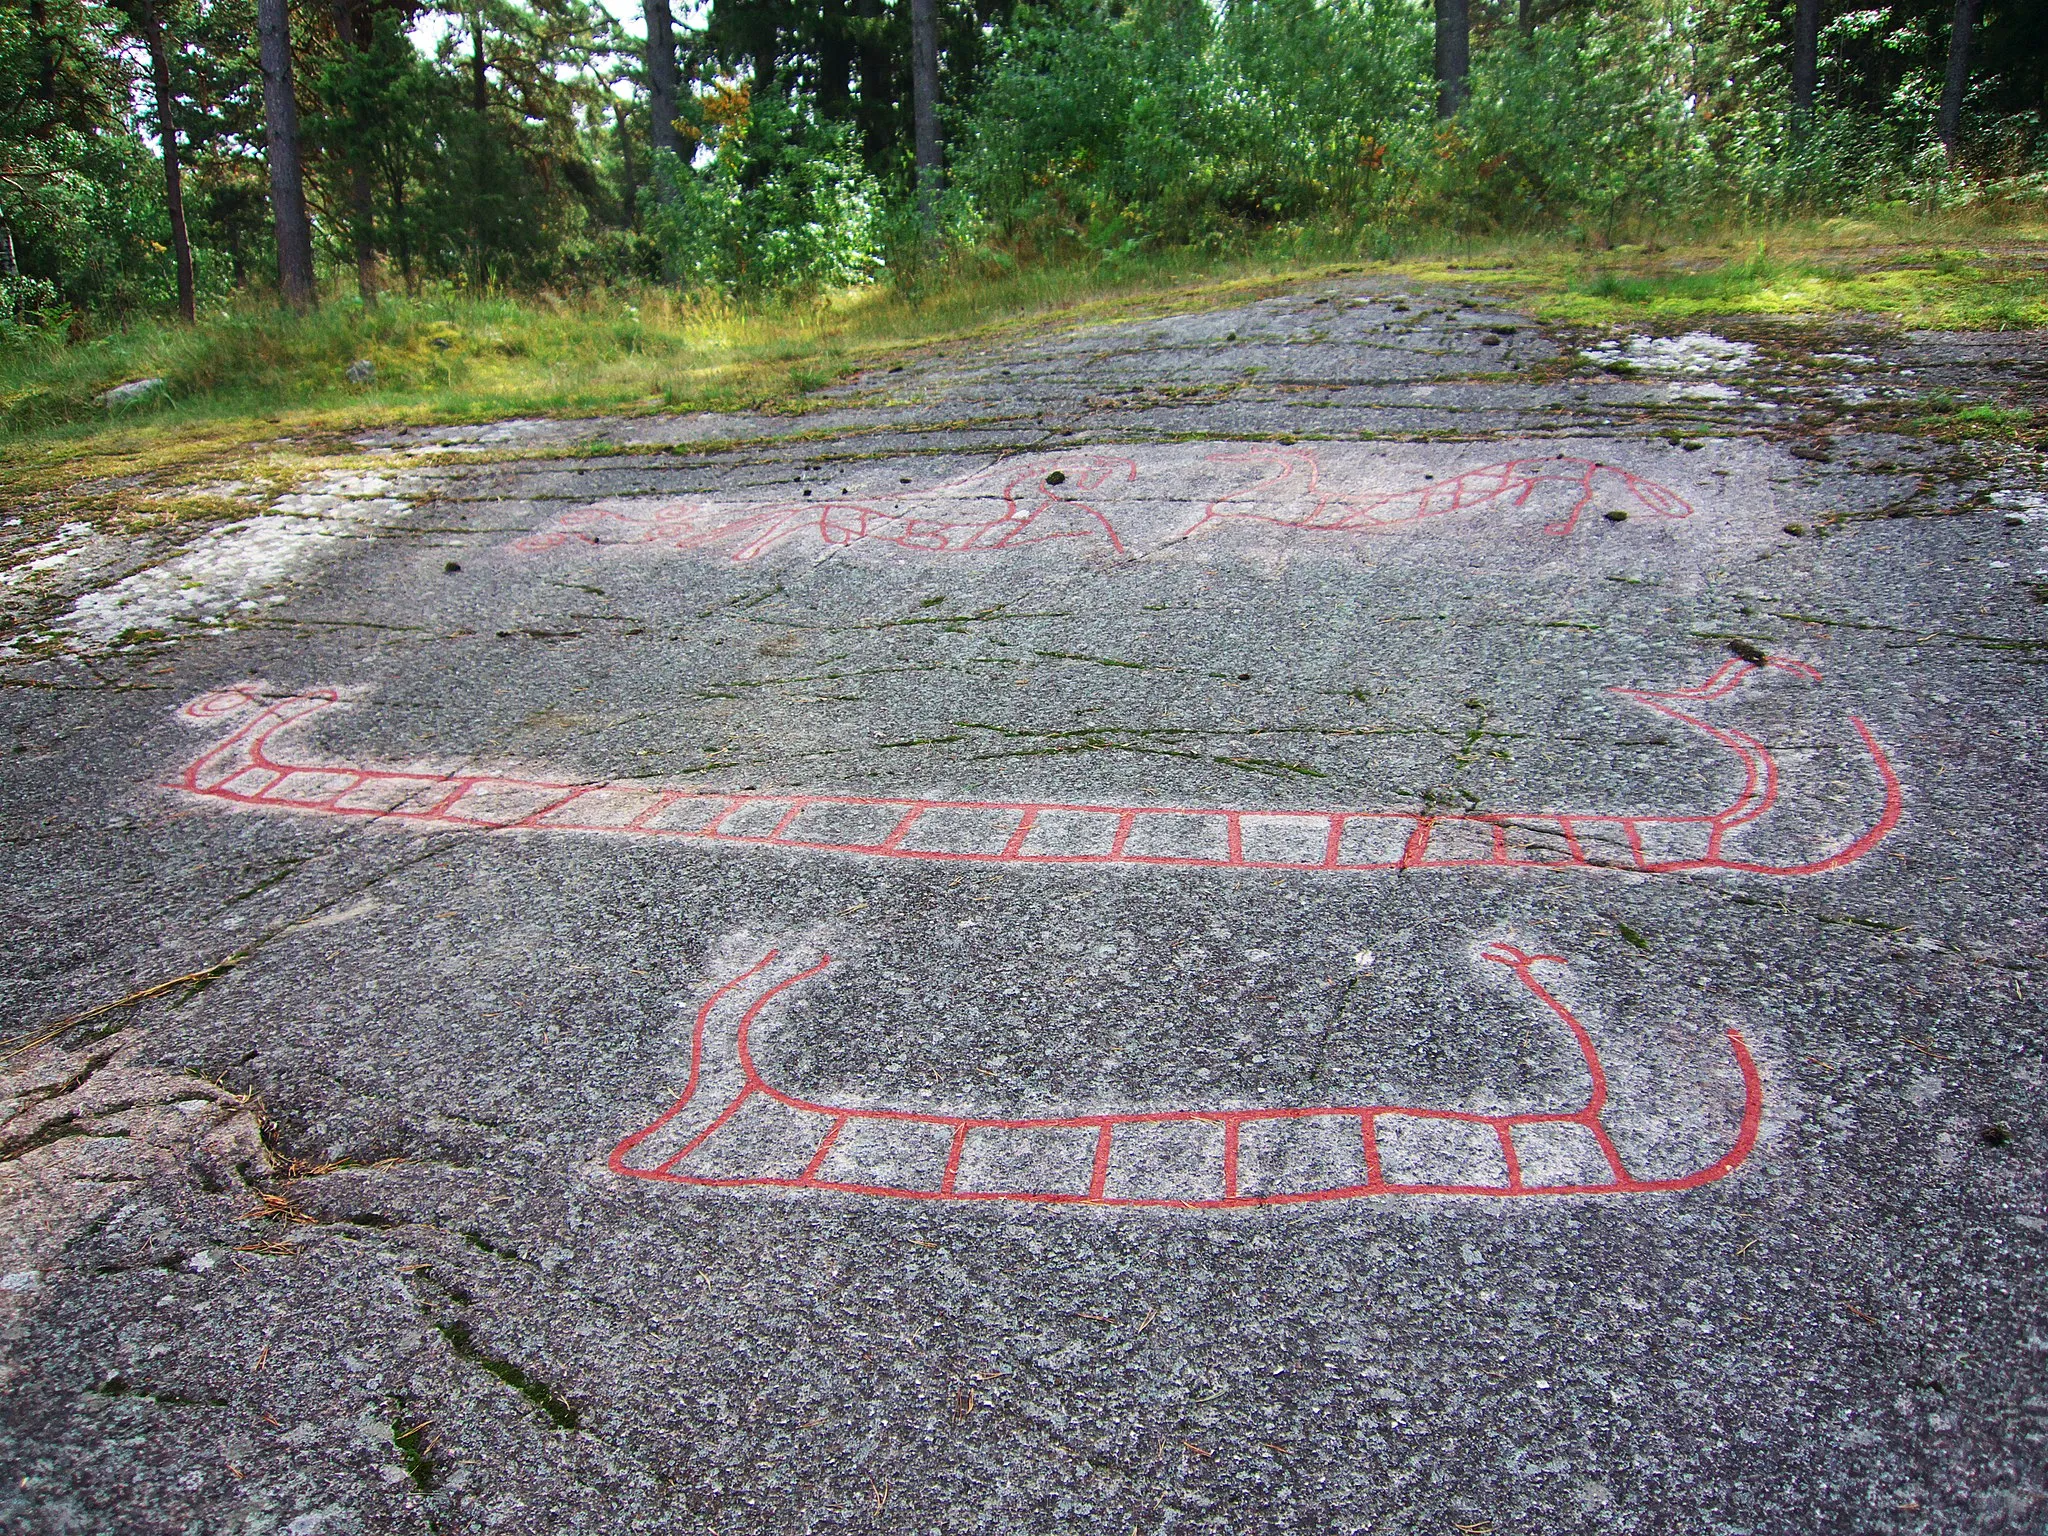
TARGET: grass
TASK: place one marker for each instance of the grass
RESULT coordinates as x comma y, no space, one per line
447,357
1949,273
1943,416
257,396
260,397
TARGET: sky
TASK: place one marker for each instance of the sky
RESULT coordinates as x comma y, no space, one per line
435,25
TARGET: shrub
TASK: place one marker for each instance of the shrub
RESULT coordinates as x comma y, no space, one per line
778,203
1160,121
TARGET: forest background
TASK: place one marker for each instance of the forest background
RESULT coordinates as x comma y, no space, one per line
526,204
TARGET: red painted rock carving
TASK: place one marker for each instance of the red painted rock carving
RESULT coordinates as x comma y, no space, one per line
732,1128
1007,506
1011,506
249,768
1292,494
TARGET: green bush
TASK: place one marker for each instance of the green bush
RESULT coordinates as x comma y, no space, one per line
1166,121
779,205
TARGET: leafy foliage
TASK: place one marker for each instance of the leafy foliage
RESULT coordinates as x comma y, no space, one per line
75,190
1172,121
487,146
779,204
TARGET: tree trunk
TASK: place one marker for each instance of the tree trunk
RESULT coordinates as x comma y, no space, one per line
167,139
46,52
287,178
479,102
479,84
1947,125
835,62
876,70
1805,55
1453,54
924,103
661,77
351,29
404,233
631,197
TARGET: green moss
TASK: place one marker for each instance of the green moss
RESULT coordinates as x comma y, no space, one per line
414,1447
535,1392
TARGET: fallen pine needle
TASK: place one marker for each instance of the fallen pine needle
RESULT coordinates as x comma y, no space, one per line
272,1249
51,1031
276,1208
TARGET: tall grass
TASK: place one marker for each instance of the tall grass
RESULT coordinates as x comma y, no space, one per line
448,355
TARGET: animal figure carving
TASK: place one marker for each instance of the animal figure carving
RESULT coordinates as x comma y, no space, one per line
1292,494
1007,506
249,769
733,1128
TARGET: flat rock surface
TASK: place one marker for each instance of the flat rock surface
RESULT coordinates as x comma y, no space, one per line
1333,915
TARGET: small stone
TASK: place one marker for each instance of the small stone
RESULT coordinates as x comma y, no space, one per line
1616,516
452,567
129,393
1997,1134
1489,340
1750,652
1057,477
362,371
